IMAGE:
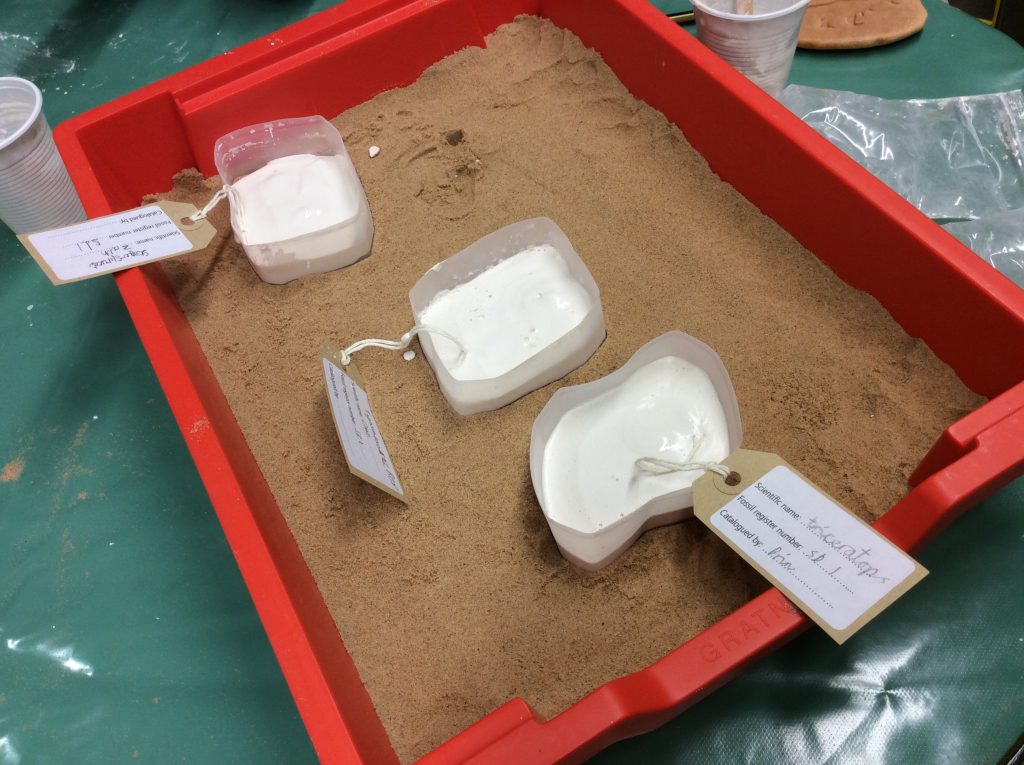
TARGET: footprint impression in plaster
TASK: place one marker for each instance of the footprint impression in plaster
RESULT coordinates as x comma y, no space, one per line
672,401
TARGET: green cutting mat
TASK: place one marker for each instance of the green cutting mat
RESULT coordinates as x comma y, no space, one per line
126,633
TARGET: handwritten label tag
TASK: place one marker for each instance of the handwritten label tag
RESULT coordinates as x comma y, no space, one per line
364,448
833,566
116,242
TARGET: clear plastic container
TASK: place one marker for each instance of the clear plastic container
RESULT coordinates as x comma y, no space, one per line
551,362
594,549
345,237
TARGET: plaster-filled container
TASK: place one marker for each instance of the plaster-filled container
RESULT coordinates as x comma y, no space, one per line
673,400
522,305
297,205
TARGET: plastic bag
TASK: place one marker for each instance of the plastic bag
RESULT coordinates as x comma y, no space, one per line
952,158
999,239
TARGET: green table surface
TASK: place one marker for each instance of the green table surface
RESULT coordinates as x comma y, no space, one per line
126,633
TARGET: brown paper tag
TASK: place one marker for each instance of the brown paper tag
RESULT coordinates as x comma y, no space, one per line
115,242
833,566
361,440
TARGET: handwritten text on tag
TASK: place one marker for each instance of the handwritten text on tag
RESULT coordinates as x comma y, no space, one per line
835,567
364,447
116,242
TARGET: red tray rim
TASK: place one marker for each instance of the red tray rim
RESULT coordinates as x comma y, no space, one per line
982,451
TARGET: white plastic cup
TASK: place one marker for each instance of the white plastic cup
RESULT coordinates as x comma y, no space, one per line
760,44
36,193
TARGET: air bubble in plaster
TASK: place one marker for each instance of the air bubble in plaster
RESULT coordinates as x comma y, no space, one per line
522,305
514,309
297,205
672,400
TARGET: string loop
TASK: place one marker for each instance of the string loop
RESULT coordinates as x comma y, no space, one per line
214,201
400,344
658,466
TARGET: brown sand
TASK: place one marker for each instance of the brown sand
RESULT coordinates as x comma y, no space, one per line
460,601
12,470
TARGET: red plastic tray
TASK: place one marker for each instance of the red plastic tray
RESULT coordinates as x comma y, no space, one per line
968,314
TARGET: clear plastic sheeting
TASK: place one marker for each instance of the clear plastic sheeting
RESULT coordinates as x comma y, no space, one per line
952,158
999,239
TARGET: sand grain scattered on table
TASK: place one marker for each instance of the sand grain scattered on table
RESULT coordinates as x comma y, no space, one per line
12,470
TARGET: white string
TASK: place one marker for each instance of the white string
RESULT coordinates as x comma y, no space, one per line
400,344
658,466
661,467
214,201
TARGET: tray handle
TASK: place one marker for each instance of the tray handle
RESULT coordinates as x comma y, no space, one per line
975,457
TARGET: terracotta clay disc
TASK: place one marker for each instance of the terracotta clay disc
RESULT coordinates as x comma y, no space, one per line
860,23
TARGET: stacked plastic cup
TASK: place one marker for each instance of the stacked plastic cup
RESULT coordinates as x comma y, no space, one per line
760,44
35,190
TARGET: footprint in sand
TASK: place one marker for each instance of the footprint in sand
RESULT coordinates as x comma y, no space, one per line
445,170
